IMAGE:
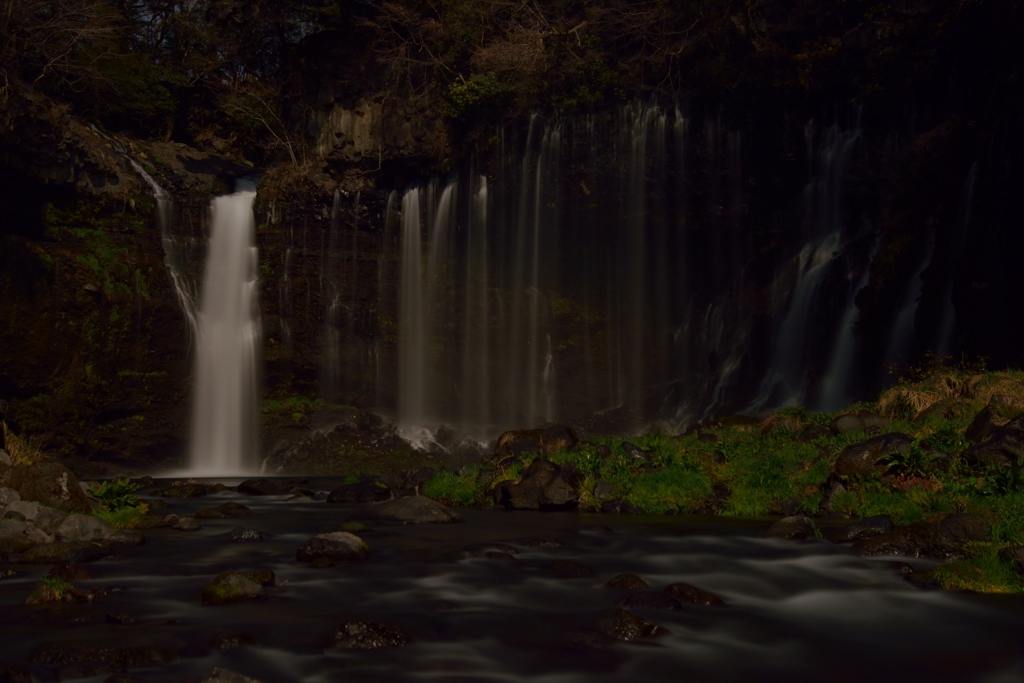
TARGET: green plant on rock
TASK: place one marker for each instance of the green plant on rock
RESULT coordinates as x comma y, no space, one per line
915,462
117,494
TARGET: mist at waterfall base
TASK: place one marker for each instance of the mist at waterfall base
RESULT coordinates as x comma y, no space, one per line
603,277
227,344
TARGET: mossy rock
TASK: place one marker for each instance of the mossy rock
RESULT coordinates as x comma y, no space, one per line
231,587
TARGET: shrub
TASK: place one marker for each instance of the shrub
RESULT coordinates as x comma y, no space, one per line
117,494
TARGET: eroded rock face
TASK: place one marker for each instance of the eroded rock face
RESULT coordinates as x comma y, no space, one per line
864,458
338,546
944,539
369,635
409,510
48,483
544,486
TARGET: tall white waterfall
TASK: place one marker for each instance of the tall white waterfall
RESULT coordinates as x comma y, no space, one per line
228,336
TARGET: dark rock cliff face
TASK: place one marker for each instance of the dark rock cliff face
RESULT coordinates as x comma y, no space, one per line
95,349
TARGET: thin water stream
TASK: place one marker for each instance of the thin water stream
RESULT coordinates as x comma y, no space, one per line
796,611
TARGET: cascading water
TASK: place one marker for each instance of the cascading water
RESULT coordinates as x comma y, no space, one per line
902,334
228,339
787,381
948,320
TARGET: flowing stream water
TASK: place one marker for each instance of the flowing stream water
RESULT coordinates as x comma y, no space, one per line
479,605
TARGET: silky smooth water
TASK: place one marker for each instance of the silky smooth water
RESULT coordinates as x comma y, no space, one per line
796,611
227,344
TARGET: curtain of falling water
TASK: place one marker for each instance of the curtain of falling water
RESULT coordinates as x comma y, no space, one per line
228,337
411,326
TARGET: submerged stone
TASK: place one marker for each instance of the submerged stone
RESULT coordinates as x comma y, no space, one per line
338,546
625,626
795,527
369,635
229,587
627,582
408,510
689,595
649,600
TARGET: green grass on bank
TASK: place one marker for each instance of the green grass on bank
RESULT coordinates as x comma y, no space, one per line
757,469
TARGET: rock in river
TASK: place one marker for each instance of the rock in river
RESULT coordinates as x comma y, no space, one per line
360,492
228,676
242,535
264,487
795,527
339,546
625,626
408,510
85,528
229,587
627,582
48,483
858,531
369,635
649,600
944,539
688,595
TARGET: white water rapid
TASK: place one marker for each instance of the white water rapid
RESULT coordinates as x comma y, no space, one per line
228,337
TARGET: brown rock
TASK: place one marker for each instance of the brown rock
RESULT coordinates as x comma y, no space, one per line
48,483
539,441
865,457
688,595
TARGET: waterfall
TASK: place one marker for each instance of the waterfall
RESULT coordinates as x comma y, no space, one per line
184,293
835,392
412,327
787,380
476,415
228,338
902,335
330,370
948,320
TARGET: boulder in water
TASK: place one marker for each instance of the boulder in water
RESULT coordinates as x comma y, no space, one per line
85,528
188,524
944,539
338,546
566,569
48,483
794,527
64,552
408,510
866,457
228,676
42,517
625,626
242,535
264,487
649,600
369,635
858,531
627,582
688,595
229,587
360,492
185,491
